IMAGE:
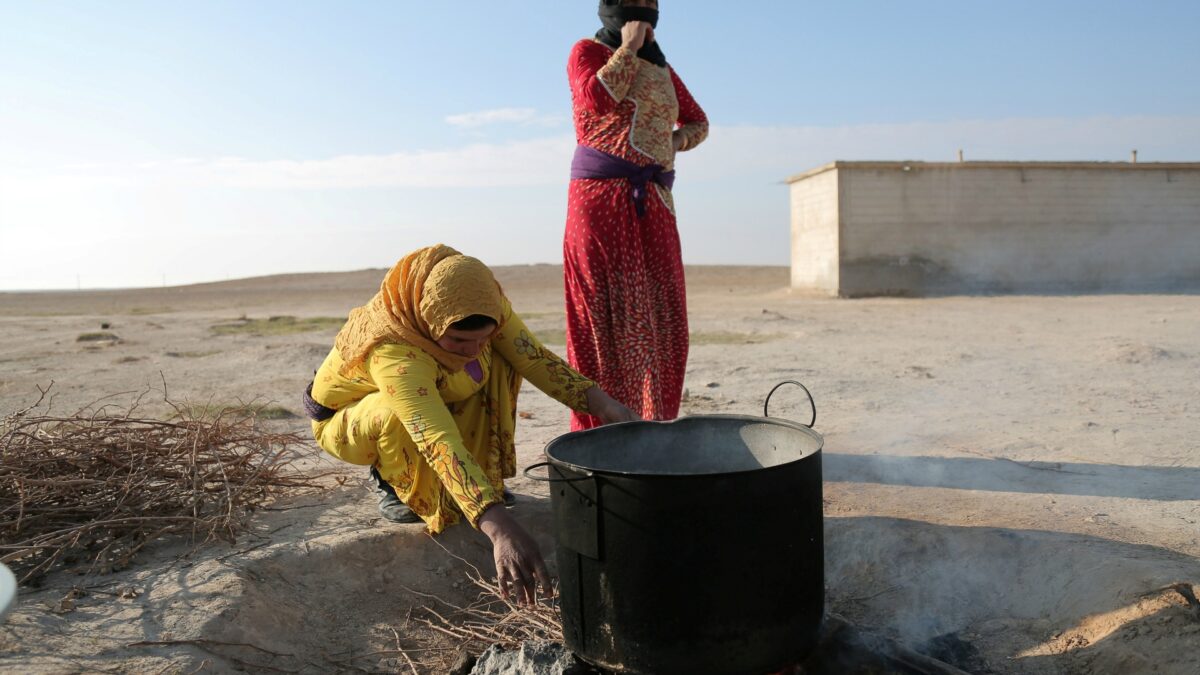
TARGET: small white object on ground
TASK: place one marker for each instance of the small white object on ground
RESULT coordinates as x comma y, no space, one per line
8,590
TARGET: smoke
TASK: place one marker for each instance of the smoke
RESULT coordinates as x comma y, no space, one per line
917,580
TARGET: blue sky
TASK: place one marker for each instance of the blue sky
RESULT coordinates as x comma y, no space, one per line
206,140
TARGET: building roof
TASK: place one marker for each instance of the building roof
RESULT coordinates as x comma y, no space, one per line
909,166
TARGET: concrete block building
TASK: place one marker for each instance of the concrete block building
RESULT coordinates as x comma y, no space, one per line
927,228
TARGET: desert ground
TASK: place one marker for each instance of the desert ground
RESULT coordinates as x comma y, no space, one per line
1020,475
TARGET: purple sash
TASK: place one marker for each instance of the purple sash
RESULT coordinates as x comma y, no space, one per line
593,163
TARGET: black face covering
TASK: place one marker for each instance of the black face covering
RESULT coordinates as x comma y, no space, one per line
613,16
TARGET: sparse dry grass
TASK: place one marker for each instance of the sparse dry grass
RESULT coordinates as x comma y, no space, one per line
98,336
558,337
554,336
278,325
732,338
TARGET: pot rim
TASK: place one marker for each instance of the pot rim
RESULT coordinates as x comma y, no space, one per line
588,471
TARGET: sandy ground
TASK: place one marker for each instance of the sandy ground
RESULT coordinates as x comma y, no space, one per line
1022,473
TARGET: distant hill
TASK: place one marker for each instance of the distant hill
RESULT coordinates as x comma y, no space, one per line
334,293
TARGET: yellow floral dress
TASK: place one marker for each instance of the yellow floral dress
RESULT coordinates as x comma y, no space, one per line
442,439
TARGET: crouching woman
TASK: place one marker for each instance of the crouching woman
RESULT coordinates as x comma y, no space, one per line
422,384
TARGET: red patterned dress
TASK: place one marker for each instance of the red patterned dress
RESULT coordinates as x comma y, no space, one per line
626,304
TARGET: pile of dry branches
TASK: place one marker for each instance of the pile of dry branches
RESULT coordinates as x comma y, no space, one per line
95,486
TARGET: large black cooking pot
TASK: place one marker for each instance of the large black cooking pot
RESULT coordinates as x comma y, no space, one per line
692,546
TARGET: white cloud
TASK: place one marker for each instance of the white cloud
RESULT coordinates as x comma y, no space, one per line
731,152
522,116
122,223
786,150
534,162
735,151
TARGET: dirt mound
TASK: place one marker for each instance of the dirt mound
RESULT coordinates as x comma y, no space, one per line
1136,353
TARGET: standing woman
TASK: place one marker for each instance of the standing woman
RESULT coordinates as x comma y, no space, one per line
626,302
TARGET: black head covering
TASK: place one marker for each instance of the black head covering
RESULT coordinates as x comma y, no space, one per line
613,16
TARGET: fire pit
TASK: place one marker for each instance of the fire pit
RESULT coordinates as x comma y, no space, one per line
841,649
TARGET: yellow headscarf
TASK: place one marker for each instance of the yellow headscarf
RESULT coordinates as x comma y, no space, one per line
420,297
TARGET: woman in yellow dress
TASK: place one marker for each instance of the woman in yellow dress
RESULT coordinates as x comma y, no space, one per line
422,384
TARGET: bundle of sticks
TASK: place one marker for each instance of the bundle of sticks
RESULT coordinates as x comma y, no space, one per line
94,487
491,619
472,627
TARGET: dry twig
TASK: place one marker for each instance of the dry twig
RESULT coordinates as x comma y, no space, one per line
487,620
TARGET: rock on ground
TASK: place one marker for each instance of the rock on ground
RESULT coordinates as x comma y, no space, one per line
533,658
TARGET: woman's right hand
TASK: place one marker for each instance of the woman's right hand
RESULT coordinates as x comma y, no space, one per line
607,408
519,564
636,33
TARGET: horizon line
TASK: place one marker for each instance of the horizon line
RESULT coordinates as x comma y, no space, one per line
230,280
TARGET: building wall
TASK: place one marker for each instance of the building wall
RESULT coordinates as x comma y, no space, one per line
815,234
1010,227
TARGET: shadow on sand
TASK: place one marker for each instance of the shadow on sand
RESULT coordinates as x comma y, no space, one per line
1004,475
1004,592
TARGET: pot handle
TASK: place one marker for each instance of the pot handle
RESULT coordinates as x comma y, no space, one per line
576,515
586,475
812,402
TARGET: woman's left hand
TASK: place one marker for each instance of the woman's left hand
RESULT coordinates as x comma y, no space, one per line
677,140
607,408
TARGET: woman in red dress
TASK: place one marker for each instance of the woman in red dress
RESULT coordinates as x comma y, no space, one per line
626,303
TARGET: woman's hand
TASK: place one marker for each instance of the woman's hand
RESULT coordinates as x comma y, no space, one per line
519,565
678,140
607,408
636,33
